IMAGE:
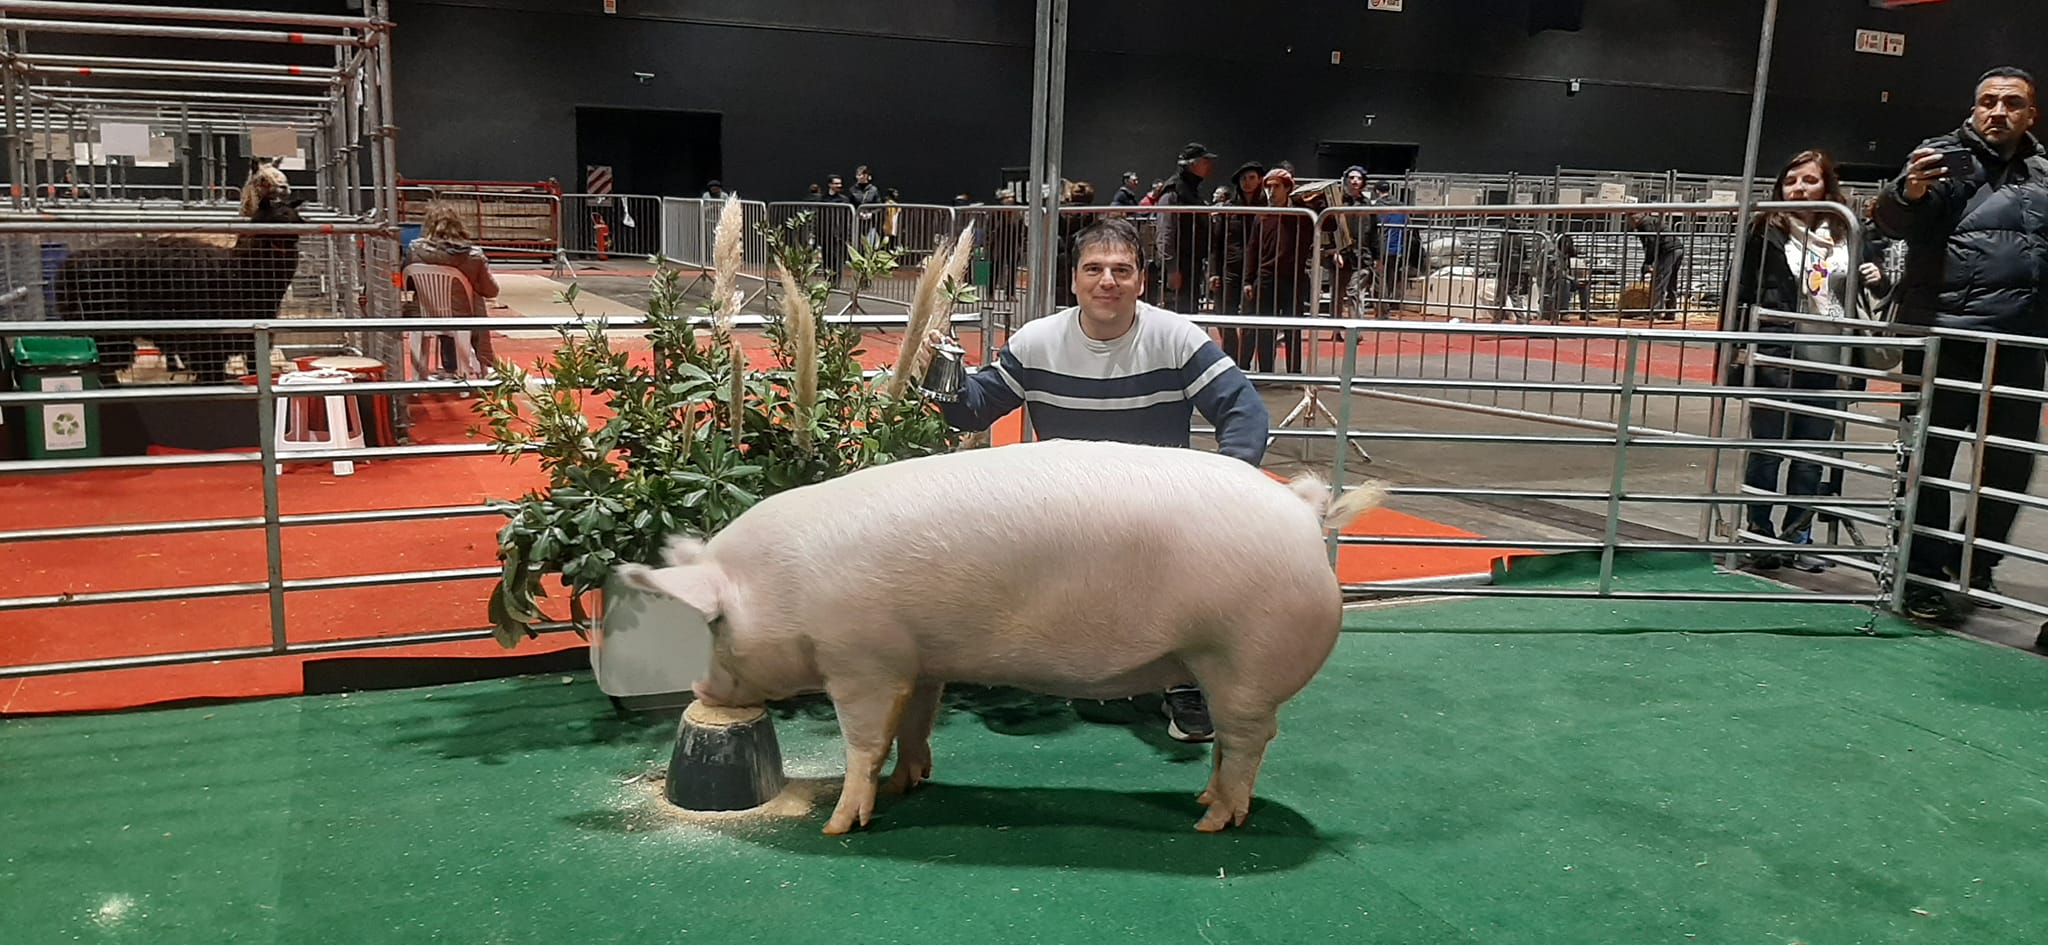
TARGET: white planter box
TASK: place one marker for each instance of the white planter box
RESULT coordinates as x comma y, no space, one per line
647,644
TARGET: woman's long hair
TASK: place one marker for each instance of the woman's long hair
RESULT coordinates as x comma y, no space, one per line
1831,182
444,224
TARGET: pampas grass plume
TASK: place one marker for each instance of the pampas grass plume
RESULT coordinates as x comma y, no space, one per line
802,330
727,253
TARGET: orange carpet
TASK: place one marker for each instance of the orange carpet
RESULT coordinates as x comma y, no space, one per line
133,496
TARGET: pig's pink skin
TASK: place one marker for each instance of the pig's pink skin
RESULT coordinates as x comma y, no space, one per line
1078,569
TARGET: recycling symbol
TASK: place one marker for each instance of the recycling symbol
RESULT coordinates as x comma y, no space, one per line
65,424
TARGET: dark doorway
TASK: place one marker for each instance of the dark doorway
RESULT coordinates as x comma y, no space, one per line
1379,158
650,151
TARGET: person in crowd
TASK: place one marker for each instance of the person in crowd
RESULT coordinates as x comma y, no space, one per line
445,241
864,192
1663,256
1286,249
1355,237
1972,208
1184,237
1128,194
1116,368
1233,257
713,190
835,227
1799,263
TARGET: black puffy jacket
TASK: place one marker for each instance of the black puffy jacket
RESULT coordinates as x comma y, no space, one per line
1977,247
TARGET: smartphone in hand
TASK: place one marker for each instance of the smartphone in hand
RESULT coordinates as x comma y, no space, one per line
1959,162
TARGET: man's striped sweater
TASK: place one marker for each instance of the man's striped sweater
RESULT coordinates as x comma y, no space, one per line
1140,388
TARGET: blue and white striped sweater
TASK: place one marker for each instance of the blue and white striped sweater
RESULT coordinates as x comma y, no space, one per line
1140,388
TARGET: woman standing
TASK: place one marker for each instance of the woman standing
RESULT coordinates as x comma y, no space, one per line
1799,262
1286,248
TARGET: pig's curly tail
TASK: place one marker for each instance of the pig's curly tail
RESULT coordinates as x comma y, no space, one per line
1346,507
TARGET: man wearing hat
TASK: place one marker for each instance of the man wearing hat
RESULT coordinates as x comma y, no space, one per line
1184,236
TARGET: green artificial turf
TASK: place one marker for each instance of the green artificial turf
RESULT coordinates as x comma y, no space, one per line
1475,771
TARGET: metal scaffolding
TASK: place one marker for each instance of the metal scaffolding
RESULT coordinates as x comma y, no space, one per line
329,86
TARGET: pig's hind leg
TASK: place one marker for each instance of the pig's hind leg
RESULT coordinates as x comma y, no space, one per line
869,709
914,739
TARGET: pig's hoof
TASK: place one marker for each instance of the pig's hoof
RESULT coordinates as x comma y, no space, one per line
906,778
844,818
1220,816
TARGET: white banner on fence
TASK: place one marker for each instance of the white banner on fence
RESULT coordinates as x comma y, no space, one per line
1613,193
273,140
118,139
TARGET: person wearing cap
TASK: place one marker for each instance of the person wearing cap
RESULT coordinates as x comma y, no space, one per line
1184,237
714,191
1127,195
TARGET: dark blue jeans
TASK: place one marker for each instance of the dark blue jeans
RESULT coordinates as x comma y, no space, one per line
1766,423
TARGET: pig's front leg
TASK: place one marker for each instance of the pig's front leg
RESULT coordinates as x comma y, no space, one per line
914,739
868,709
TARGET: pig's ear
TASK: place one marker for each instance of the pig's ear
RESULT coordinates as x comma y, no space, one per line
698,586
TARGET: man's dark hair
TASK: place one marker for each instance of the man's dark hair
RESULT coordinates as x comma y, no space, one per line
1109,231
2008,72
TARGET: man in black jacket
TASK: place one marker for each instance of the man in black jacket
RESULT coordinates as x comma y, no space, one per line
1184,236
1976,233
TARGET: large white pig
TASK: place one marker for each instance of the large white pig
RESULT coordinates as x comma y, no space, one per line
1080,569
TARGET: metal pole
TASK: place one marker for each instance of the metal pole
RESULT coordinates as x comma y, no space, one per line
141,11
387,131
273,532
1744,202
150,31
1914,449
1343,442
1620,482
95,63
184,162
1048,109
1986,381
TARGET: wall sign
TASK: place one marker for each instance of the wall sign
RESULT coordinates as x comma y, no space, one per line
1880,43
1384,6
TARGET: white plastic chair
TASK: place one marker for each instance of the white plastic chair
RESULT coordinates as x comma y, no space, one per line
442,292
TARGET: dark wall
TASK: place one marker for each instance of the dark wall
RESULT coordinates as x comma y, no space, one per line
936,93
483,92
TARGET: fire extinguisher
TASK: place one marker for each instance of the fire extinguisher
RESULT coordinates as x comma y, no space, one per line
604,234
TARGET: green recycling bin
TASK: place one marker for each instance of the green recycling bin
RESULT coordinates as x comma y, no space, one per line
58,430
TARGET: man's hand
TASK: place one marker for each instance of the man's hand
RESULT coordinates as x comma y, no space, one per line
923,359
1923,168
1215,283
1870,273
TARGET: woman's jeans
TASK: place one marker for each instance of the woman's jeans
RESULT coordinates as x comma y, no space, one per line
1768,423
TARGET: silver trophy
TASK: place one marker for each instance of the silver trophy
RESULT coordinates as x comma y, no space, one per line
947,372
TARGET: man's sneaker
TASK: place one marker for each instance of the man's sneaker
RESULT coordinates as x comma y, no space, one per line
1762,561
1808,563
1981,581
1187,715
1931,606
